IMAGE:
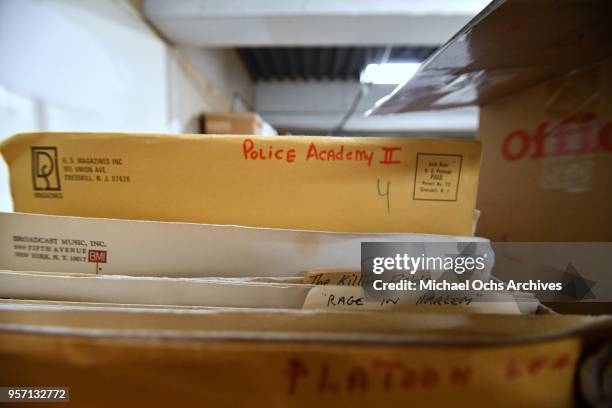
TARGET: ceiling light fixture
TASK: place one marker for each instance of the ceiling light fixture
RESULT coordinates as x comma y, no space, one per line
391,73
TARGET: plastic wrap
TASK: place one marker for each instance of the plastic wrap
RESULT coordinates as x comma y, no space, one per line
509,46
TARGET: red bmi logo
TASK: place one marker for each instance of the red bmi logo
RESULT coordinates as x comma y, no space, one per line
96,256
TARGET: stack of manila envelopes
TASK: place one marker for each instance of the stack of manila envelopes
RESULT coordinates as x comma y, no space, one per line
183,285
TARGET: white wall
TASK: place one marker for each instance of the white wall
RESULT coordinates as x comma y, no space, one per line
91,68
97,66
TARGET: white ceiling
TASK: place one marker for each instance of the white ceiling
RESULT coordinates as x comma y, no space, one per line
293,23
234,23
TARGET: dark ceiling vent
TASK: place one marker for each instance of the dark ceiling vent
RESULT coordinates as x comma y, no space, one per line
339,63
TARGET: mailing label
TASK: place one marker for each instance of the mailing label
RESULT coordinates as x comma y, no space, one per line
437,177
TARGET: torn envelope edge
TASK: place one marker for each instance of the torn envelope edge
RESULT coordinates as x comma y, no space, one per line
174,249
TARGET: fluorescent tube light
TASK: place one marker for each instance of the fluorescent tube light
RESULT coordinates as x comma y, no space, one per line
392,73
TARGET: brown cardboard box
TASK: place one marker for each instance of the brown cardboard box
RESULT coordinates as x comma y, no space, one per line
542,74
547,161
232,123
